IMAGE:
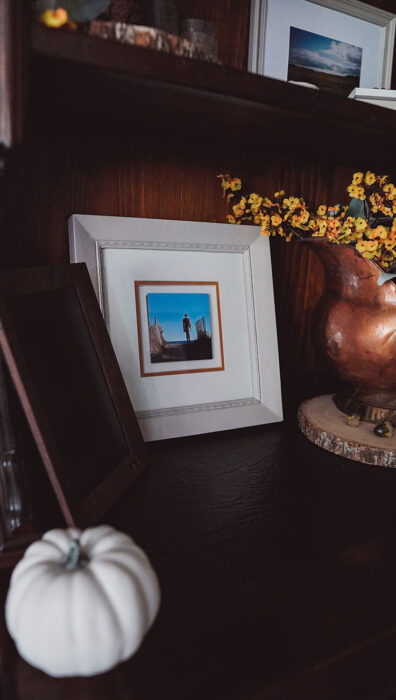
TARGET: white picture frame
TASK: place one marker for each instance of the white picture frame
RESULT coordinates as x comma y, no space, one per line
332,18
120,250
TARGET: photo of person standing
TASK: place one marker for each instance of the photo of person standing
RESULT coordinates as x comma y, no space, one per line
187,327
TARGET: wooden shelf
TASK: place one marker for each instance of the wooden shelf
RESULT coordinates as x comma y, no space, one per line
91,75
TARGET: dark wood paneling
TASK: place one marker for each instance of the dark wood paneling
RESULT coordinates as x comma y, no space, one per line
71,164
231,21
67,166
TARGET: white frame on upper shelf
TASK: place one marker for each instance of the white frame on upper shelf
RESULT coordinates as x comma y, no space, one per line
119,250
353,8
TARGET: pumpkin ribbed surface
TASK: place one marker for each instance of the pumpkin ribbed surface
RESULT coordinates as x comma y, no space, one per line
86,618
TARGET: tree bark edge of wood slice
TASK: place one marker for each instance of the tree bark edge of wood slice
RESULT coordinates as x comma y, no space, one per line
326,426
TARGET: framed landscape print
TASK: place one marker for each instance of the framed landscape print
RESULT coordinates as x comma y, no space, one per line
190,311
336,45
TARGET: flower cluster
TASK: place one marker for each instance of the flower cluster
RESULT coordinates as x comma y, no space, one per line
279,215
379,193
368,224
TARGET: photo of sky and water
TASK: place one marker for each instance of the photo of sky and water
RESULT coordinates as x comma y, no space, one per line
327,63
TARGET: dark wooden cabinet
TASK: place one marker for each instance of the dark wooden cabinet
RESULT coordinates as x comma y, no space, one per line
276,559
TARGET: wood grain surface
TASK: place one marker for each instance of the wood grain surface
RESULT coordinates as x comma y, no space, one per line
63,170
100,163
277,580
277,568
231,21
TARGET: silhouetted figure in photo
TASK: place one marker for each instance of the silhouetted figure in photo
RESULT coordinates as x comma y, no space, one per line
187,327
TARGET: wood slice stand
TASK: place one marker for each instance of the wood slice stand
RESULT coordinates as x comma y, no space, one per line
325,425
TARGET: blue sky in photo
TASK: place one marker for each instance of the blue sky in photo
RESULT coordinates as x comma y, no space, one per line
317,52
169,310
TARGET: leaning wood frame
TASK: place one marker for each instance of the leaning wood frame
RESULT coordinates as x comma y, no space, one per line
86,485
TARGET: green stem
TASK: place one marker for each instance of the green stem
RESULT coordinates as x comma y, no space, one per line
74,558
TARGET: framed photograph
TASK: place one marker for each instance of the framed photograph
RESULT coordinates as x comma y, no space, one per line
336,45
190,310
173,340
62,364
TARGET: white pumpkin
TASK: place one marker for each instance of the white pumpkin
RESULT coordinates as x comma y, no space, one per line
81,602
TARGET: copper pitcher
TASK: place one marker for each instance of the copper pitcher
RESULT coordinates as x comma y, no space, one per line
355,325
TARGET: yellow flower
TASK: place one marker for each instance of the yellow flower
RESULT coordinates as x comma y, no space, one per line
356,235
357,178
356,191
333,224
390,244
290,202
276,220
265,225
231,219
331,235
352,190
361,246
369,178
239,208
225,183
381,232
301,218
279,194
235,184
54,18
360,224
360,194
322,227
376,201
255,199
322,210
390,191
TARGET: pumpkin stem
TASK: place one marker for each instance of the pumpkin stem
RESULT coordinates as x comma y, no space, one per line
74,558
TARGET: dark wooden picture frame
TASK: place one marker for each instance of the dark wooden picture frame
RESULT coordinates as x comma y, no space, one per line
62,363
